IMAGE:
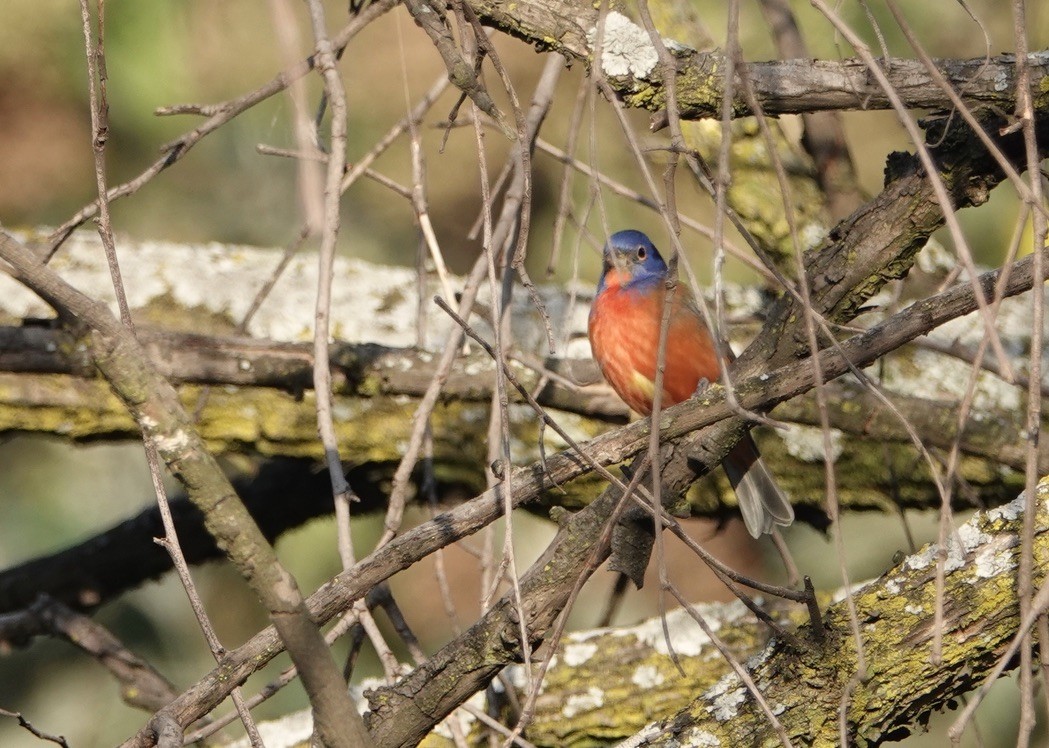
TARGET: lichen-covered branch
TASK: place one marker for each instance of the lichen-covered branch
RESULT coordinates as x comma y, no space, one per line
903,685
782,87
607,685
268,410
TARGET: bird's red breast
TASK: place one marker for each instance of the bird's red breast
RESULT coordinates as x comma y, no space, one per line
624,334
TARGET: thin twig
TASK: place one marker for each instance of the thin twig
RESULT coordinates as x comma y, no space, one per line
343,494
1025,576
217,116
96,70
24,723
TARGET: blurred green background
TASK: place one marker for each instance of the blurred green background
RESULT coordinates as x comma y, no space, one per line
160,54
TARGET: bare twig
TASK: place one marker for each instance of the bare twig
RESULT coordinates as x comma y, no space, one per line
1025,578
217,116
331,723
36,732
96,69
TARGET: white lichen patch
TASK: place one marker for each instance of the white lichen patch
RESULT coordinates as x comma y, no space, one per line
594,698
1001,81
179,441
972,537
927,374
725,697
578,653
758,658
686,637
946,378
914,610
927,556
291,729
1007,512
743,299
699,738
647,676
357,691
812,234
460,719
626,48
517,676
991,557
806,443
646,734
934,258
585,636
993,561
842,592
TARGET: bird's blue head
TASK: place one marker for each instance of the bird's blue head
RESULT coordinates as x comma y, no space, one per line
631,261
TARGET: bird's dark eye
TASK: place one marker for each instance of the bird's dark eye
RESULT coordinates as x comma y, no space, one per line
641,252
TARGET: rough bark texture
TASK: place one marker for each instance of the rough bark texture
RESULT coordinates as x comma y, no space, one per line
252,394
783,87
904,685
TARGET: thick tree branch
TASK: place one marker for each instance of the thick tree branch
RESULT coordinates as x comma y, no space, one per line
581,703
903,685
358,369
782,87
371,380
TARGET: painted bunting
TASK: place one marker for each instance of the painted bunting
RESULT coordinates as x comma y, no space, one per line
624,335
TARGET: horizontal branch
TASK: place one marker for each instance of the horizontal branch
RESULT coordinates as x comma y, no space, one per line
371,370
90,573
261,421
271,411
781,87
358,369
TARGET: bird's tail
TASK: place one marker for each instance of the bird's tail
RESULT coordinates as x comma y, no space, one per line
761,502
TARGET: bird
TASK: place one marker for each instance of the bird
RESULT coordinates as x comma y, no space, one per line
623,328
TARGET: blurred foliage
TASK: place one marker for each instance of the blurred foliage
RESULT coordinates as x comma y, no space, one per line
160,54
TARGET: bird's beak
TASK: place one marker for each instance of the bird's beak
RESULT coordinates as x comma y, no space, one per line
618,261
617,269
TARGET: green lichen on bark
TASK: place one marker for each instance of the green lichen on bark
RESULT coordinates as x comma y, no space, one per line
903,683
